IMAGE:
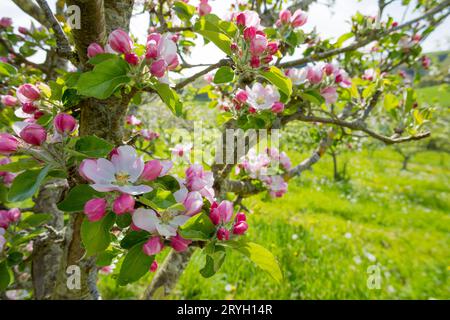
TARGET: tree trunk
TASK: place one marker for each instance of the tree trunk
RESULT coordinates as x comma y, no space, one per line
336,175
405,162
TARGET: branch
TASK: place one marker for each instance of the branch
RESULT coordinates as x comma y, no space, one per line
190,79
63,46
376,34
32,10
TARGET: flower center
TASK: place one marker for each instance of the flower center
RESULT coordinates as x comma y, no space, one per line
122,178
260,100
165,217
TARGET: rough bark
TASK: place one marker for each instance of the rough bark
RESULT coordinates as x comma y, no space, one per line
30,8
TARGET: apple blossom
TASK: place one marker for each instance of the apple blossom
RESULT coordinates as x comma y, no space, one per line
95,209
255,62
262,98
258,44
29,108
241,96
33,134
154,266
251,19
9,100
119,174
165,224
28,93
285,161
8,144
133,121
250,33
120,41
314,73
65,123
123,204
369,74
240,227
153,246
179,244
149,135
277,186
426,62
285,16
240,19
155,168
6,22
181,150
299,18
193,203
132,58
223,234
94,49
297,76
329,94
204,8
161,54
221,213
277,107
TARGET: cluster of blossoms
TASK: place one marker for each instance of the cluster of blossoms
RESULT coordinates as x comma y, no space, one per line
203,8
292,20
221,214
259,98
160,56
324,76
269,167
7,217
136,126
407,42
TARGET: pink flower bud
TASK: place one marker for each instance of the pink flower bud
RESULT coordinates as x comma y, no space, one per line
426,62
221,213
65,123
29,108
417,37
255,62
242,96
299,18
285,16
204,8
120,41
34,134
173,63
5,22
179,244
394,24
123,204
94,49
329,94
154,266
14,215
8,144
267,59
4,219
193,203
240,228
28,93
153,246
23,30
234,47
272,47
223,234
95,209
240,19
38,114
152,49
278,107
152,170
240,216
158,68
314,74
132,58
249,33
9,100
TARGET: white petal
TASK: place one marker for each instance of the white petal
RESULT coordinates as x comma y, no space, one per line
135,190
166,166
103,187
145,219
181,194
20,114
19,126
166,230
179,220
127,160
100,171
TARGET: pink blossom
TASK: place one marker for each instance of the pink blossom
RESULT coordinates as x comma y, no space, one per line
153,246
154,265
204,8
249,33
8,144
272,47
258,45
132,58
155,168
277,107
314,74
162,51
285,161
369,74
65,123
179,244
221,213
6,22
277,186
240,19
262,98
297,76
94,49
119,174
120,41
240,228
9,100
33,134
193,203
241,96
426,62
123,204
28,93
329,94
165,224
285,16
255,62
133,121
95,209
223,234
149,135
299,18
181,150
251,19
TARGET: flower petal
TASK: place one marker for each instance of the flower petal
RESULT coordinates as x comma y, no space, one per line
179,220
145,219
135,190
100,171
166,230
103,187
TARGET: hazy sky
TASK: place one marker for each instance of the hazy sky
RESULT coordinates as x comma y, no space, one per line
330,23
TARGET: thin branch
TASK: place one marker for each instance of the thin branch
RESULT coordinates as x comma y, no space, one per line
190,79
30,8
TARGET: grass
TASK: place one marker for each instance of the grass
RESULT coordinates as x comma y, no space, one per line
435,95
326,235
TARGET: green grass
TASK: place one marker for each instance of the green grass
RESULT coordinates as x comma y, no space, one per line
326,234
435,95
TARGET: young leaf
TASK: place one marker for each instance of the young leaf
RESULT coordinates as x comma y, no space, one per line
133,238
77,198
199,227
35,220
96,236
223,75
26,184
106,77
93,147
170,98
7,69
5,276
278,79
213,262
135,265
183,10
20,165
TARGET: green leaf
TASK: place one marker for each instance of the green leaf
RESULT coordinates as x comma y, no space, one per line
14,258
183,10
170,98
77,198
5,276
93,147
199,227
135,265
35,220
344,38
278,79
134,237
106,77
20,165
101,57
26,184
168,183
312,96
208,27
123,220
105,258
391,101
7,70
262,257
158,199
223,75
96,236
213,261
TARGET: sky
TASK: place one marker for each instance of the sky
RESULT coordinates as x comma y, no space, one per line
329,22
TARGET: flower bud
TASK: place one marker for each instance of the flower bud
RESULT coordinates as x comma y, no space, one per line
14,215
38,114
299,18
255,62
65,123
152,170
8,144
204,8
278,107
34,134
240,216
94,49
23,30
153,246
240,19
5,22
4,219
154,266
240,228
285,16
221,213
28,93
193,203
272,47
95,209
152,49
132,58
242,96
158,68
123,204
9,100
29,108
179,244
120,41
223,234
249,33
